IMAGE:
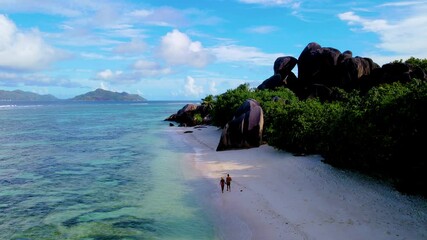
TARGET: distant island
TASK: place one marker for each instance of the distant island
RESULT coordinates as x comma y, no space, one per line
97,95
19,95
105,95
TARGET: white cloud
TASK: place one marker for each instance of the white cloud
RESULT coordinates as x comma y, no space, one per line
262,29
402,4
191,89
142,13
269,2
108,74
68,9
102,86
131,48
291,4
177,49
117,77
140,69
212,88
375,25
383,59
235,53
86,22
350,17
34,79
162,16
150,69
20,50
402,35
124,31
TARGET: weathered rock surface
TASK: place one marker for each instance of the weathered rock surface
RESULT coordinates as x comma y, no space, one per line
191,115
320,69
245,129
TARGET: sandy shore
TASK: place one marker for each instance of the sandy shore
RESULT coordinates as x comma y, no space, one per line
275,195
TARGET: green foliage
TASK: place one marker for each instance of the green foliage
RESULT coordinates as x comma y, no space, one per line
208,102
198,119
383,136
417,62
382,132
302,125
227,103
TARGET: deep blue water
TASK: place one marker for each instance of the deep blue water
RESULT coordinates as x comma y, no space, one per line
94,171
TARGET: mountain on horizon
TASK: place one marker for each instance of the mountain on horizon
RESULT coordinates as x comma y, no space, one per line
105,95
19,95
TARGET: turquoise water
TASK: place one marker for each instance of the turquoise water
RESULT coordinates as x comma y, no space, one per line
94,171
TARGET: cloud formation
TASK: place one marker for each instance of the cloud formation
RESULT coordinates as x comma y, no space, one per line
176,48
269,2
235,53
137,71
71,8
191,89
14,79
155,46
162,16
108,74
133,47
24,51
262,29
150,69
404,35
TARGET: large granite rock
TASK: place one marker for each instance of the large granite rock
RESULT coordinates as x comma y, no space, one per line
283,75
190,115
245,129
321,69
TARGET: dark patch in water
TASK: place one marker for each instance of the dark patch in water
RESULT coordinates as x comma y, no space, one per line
14,181
76,220
71,222
113,237
41,209
128,222
16,199
40,232
106,210
145,224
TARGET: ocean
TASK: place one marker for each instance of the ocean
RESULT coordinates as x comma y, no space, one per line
78,170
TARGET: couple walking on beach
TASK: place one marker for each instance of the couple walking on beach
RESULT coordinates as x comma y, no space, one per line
227,181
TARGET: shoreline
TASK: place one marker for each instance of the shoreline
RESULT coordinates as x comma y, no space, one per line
275,195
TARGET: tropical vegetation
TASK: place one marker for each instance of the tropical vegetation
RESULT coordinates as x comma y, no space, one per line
380,133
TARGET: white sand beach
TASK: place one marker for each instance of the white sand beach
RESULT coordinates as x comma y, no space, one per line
275,195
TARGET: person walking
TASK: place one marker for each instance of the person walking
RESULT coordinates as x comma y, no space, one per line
222,183
228,182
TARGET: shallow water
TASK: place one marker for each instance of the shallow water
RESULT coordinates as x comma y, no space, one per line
95,171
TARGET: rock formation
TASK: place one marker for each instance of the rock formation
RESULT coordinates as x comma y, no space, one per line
245,129
191,115
320,69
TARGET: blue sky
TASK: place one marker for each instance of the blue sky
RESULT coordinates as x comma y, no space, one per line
186,50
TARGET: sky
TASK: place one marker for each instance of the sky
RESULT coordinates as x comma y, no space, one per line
186,50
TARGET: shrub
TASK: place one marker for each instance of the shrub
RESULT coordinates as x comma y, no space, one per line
382,132
227,103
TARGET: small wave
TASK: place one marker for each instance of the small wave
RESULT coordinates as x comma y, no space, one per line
139,104
7,106
13,106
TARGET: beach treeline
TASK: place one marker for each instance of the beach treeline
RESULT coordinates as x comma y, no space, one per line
381,132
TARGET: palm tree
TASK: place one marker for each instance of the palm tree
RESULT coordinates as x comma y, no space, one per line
208,102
